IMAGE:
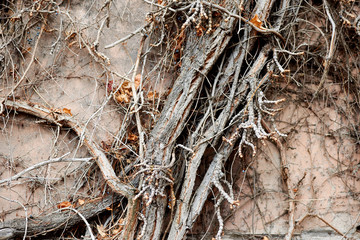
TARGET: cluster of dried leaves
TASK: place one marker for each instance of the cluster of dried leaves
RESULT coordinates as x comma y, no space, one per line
124,93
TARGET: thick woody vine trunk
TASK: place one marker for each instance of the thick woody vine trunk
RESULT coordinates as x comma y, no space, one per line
201,53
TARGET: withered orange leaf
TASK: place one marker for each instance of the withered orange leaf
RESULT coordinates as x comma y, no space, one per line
124,94
122,98
70,35
64,204
132,137
125,85
81,202
256,21
152,94
67,111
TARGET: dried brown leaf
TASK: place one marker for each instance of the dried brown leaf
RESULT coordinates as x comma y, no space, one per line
152,94
122,98
64,204
256,21
132,137
67,111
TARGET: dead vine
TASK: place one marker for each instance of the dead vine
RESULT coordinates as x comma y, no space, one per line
203,89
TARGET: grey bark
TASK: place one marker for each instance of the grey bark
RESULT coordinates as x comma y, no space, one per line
55,220
201,54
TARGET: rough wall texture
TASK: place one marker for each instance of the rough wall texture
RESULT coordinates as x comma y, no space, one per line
64,75
321,147
323,162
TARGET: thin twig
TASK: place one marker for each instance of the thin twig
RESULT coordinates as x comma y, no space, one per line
136,99
26,215
261,30
26,70
106,20
128,36
331,49
96,42
301,219
61,119
55,160
286,179
84,219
